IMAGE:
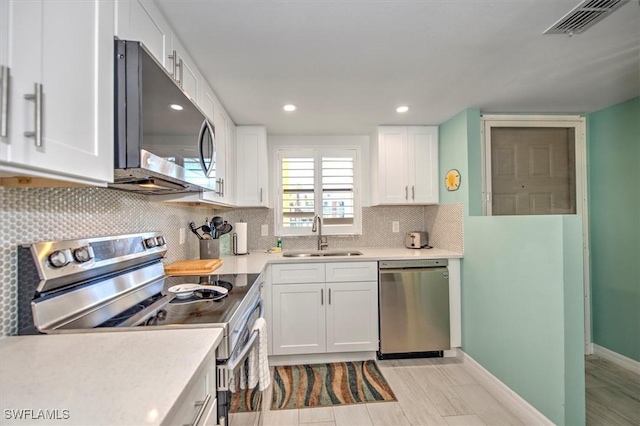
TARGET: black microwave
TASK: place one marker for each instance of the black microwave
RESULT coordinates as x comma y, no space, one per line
164,143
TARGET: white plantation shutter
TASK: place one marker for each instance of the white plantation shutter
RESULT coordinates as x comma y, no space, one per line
298,191
314,182
338,190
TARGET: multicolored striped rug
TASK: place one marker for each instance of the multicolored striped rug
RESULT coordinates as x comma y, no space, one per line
245,400
317,385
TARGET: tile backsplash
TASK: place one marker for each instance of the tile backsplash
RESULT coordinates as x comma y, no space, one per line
443,222
43,214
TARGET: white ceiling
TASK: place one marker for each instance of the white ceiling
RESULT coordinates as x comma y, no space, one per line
347,64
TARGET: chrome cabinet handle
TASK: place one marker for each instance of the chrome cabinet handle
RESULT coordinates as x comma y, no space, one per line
221,187
260,194
406,192
413,192
329,296
37,97
322,296
4,103
174,64
203,405
180,68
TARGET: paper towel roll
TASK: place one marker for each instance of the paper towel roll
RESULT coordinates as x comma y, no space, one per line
240,238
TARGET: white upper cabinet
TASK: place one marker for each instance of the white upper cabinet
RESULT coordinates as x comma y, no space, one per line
140,20
185,71
252,178
60,104
405,165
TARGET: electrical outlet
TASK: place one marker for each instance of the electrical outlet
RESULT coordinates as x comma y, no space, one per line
264,230
395,226
183,236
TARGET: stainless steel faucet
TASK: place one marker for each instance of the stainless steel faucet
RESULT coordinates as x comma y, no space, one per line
322,243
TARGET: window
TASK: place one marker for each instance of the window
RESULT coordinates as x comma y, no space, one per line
317,181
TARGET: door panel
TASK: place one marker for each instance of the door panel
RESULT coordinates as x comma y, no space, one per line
352,316
533,170
299,319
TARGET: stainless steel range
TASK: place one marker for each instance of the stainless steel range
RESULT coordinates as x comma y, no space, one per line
117,283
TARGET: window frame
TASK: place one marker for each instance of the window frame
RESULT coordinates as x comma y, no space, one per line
317,153
561,121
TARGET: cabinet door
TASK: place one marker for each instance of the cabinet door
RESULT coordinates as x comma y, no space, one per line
230,174
77,89
299,319
22,58
188,75
423,164
251,166
140,20
352,316
393,185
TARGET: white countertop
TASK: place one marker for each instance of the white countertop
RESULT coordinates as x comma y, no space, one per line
119,378
255,262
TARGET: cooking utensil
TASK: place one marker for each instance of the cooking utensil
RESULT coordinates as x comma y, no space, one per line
207,230
225,228
194,229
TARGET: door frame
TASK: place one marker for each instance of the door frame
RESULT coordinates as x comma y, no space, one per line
582,207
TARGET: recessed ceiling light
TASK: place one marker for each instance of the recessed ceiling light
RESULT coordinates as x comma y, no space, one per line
289,108
176,107
403,108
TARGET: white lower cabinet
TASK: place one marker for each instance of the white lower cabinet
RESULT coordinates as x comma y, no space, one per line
299,319
199,405
311,314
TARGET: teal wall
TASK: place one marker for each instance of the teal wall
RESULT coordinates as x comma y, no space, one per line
452,152
522,311
614,225
573,280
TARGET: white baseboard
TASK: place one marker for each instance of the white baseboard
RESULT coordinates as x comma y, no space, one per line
616,358
518,405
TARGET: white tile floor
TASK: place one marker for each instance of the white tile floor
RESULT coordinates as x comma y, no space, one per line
435,391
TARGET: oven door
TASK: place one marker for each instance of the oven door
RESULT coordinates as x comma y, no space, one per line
249,399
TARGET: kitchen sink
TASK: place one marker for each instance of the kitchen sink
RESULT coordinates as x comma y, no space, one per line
321,253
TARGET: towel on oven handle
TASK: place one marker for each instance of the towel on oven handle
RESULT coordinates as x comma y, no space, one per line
251,366
258,359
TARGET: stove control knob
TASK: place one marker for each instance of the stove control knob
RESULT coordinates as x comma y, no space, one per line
161,241
59,258
161,315
82,254
150,242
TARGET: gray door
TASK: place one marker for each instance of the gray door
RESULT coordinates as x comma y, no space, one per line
533,170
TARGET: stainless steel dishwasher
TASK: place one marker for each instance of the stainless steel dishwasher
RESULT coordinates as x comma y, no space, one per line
414,308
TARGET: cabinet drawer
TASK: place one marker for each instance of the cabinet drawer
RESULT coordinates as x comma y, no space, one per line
297,273
351,271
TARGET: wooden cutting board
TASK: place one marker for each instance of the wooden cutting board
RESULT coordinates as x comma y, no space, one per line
193,267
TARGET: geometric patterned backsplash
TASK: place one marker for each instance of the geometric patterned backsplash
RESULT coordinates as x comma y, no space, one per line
376,228
42,214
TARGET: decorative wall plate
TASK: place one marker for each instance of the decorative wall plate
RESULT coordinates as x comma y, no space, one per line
452,180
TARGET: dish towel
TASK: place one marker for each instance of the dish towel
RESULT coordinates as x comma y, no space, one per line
258,371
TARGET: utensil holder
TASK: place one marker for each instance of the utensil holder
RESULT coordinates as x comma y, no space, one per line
210,249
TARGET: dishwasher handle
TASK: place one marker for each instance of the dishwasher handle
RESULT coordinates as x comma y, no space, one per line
415,270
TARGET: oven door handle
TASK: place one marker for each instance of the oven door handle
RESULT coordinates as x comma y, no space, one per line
235,360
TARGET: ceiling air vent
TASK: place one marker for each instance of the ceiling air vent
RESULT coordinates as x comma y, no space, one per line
584,16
